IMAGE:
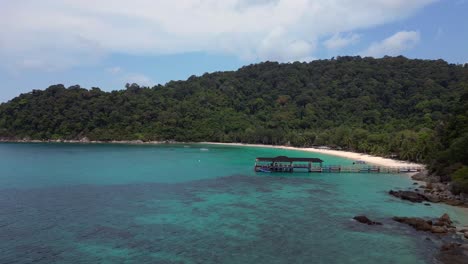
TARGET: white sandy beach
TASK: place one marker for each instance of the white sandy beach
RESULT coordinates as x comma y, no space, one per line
375,160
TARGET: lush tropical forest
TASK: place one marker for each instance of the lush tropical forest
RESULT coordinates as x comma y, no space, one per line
411,109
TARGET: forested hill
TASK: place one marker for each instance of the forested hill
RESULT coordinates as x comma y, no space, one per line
416,109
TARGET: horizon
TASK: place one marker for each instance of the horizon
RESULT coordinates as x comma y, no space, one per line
108,45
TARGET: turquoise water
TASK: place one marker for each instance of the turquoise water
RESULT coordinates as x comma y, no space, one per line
72,203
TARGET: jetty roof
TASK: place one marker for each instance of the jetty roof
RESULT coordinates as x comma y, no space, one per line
288,159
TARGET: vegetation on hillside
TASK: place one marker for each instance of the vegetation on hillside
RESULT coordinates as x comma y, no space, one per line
413,109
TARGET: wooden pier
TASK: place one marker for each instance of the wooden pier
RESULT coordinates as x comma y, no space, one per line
369,169
286,164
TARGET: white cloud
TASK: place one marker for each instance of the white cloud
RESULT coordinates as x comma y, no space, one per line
66,33
393,45
289,49
122,75
338,41
439,33
114,70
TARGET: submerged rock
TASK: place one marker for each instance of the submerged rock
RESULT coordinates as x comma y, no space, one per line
363,219
409,196
450,252
453,253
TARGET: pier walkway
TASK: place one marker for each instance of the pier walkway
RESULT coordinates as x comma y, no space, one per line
287,164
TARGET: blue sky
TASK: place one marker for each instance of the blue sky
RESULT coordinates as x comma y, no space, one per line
109,43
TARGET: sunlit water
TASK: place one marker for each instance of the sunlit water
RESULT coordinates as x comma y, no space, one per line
72,203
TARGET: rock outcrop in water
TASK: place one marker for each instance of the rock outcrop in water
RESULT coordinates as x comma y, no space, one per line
454,249
442,225
444,220
411,196
363,219
416,222
433,192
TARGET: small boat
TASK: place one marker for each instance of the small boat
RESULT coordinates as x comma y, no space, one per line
359,162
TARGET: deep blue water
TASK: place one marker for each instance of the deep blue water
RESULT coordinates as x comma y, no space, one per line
72,203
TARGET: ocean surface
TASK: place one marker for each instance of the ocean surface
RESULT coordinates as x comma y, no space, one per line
74,203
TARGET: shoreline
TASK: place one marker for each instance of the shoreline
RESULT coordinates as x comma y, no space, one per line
374,160
371,159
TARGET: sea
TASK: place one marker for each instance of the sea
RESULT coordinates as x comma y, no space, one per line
199,203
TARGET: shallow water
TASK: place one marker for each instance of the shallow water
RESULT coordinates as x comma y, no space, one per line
71,203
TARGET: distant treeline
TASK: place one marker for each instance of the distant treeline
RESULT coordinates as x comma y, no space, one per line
413,109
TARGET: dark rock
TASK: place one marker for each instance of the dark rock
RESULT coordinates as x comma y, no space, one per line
449,246
442,225
453,253
453,202
427,204
415,183
363,219
433,199
444,220
409,196
439,230
420,176
416,222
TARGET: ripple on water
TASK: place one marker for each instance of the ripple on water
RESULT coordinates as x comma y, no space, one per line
234,219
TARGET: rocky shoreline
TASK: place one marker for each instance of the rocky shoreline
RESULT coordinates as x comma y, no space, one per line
452,240
430,189
437,191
